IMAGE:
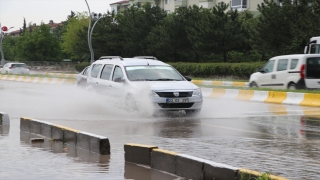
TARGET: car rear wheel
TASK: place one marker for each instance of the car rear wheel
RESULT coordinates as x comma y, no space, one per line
292,86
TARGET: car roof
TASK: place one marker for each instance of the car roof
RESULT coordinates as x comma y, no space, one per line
131,62
296,56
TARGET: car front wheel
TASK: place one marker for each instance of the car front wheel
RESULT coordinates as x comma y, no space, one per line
253,85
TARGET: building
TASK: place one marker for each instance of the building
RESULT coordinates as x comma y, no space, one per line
171,5
52,25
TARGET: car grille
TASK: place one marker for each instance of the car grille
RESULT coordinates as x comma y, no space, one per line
170,94
176,105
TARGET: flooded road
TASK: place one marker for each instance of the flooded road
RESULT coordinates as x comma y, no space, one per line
282,140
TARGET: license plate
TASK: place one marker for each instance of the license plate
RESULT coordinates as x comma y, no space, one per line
177,100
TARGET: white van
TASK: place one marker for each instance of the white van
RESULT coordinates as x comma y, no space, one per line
297,71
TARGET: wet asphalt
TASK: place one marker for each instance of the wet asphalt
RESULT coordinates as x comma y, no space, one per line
280,139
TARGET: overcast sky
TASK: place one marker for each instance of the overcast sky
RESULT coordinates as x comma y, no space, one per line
12,12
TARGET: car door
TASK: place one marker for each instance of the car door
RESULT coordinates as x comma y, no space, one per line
267,74
312,70
103,83
92,79
280,77
117,82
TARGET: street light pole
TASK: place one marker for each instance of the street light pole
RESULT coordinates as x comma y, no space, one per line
2,34
89,40
92,53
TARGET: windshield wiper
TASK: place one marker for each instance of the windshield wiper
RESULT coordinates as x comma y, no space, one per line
166,79
140,80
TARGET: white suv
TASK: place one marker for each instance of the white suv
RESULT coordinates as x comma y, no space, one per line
131,78
297,71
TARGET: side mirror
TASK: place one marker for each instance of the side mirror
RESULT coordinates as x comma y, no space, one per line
188,78
118,80
260,70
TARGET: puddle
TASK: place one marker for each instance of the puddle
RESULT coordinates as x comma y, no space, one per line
22,158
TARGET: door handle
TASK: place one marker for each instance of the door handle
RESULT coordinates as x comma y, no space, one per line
97,83
273,76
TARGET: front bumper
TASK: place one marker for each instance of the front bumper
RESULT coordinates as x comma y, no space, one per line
194,103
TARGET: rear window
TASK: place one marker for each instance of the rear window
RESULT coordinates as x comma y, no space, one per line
313,68
282,65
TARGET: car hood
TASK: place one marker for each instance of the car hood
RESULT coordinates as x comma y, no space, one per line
166,85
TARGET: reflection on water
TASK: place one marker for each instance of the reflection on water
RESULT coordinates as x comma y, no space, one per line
310,127
178,128
133,171
4,130
22,159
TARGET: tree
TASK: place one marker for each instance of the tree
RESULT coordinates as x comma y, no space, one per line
24,29
135,24
168,40
217,31
9,47
74,39
40,45
286,29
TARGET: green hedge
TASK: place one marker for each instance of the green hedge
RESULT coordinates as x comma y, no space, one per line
79,67
243,70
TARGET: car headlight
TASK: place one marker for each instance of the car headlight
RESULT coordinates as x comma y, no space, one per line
197,92
154,94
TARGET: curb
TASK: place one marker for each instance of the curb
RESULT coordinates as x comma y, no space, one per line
39,80
62,75
288,98
185,165
221,83
91,142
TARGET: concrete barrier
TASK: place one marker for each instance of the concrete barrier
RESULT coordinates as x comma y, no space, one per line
291,98
189,167
39,80
186,166
163,160
138,153
231,93
91,142
4,119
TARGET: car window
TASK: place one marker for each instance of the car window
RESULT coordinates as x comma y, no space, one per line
95,70
294,63
106,71
268,67
117,73
313,66
18,65
153,73
282,65
85,72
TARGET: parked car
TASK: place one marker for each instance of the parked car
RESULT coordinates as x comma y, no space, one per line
81,80
127,77
14,68
298,71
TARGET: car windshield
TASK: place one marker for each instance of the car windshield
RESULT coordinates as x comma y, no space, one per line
153,73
